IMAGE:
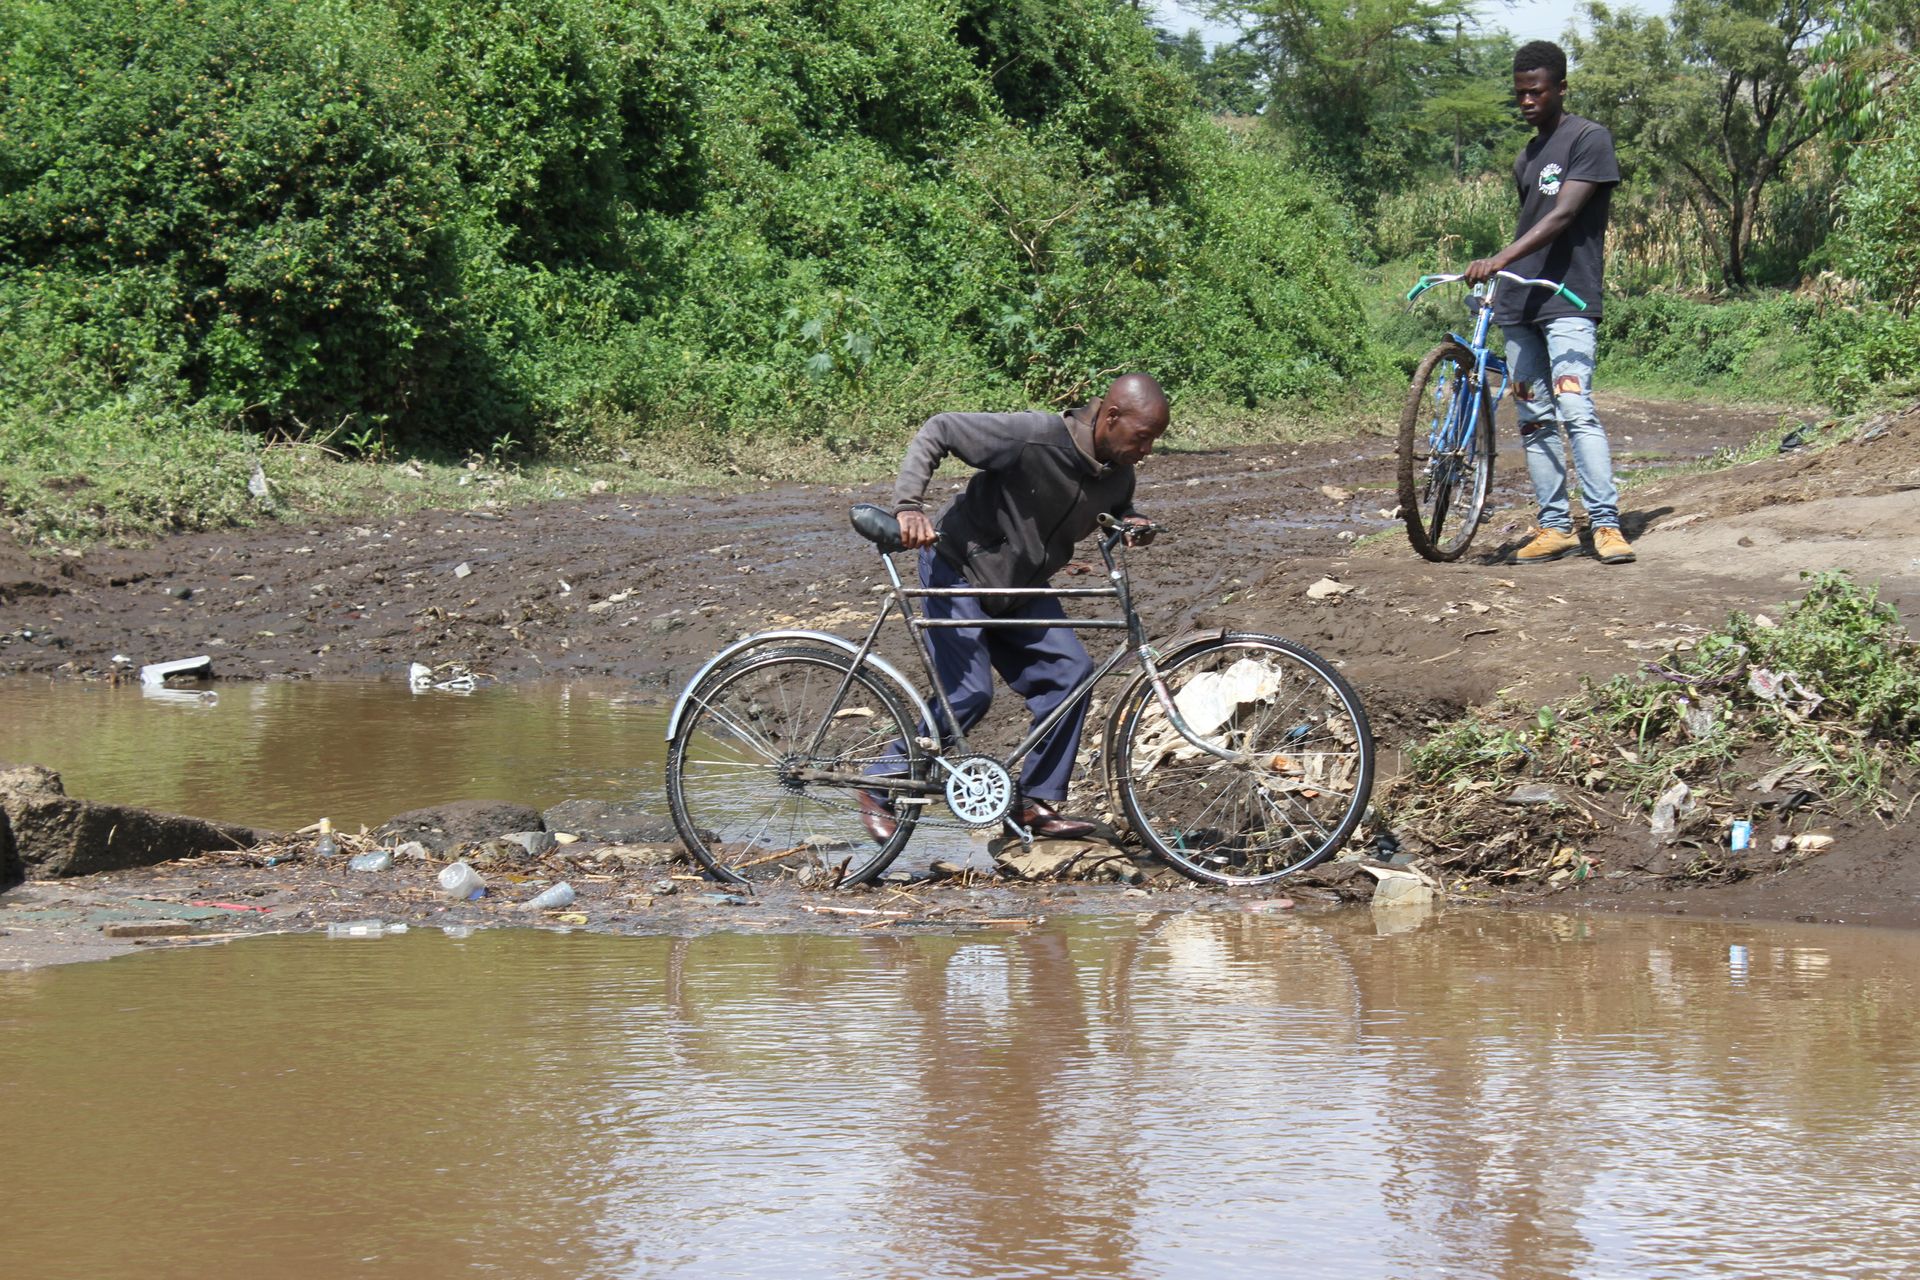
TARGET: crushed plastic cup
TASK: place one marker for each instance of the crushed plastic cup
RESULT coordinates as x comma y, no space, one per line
552,898
461,882
364,929
378,860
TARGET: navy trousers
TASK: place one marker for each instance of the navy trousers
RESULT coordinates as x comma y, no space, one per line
1041,664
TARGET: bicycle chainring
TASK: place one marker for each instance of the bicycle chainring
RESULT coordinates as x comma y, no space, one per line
979,790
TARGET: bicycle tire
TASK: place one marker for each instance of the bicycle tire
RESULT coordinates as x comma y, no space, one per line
1433,489
741,813
1290,806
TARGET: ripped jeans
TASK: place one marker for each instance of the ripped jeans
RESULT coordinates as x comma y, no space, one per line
1552,377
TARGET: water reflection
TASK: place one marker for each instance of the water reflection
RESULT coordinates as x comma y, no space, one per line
282,753
1187,1095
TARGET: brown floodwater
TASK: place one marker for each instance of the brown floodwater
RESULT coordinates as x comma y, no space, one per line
281,754
1187,1095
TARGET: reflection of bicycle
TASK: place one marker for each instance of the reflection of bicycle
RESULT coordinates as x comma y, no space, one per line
1239,758
1446,430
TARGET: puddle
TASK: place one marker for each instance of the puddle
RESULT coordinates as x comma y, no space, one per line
282,753
1165,1096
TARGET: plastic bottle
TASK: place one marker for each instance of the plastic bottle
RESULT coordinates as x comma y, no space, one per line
552,898
378,860
461,882
324,845
364,929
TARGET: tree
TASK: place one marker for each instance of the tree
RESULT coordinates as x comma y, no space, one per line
1714,102
1367,85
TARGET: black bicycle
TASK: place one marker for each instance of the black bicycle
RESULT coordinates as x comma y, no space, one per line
1239,758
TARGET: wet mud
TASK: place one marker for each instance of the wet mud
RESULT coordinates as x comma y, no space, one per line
644,589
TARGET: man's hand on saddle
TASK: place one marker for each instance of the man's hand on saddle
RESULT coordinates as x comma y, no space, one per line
916,530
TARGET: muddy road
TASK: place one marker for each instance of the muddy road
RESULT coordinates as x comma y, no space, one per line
644,589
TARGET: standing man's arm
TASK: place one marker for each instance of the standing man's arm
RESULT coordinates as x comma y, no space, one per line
1574,195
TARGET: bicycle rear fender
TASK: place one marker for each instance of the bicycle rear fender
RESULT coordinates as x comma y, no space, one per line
827,638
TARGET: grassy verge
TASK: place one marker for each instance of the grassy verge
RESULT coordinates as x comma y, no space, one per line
119,477
1765,722
1754,352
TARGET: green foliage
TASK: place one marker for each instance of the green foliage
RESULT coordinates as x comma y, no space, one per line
1880,243
1447,223
1380,90
1710,106
1830,693
577,223
1748,348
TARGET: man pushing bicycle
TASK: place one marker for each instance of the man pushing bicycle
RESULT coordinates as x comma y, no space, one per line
1042,483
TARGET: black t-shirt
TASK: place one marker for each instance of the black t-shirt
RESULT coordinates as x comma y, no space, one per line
1581,151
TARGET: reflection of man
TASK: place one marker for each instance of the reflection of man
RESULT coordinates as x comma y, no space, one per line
1566,177
1043,482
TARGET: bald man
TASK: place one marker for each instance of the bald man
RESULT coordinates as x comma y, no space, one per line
1042,482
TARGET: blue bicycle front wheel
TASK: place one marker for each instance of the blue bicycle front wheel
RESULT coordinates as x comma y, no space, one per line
1446,454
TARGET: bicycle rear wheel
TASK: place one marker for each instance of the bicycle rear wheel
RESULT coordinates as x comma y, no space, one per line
742,774
1446,461
1295,794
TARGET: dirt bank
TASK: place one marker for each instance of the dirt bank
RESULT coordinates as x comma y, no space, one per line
645,588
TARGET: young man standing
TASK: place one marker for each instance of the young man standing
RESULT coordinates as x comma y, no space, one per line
1566,177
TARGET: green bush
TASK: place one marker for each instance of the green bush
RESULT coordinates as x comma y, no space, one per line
568,223
1445,223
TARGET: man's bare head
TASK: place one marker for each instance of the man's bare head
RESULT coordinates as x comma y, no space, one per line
1133,415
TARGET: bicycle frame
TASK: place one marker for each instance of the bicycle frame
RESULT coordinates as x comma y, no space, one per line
1448,437
900,597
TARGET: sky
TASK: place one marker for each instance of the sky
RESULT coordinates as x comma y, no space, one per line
1526,19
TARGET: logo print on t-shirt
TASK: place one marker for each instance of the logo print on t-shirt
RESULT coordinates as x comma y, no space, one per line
1550,180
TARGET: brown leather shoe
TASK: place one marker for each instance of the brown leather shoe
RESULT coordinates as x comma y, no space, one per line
1047,823
877,818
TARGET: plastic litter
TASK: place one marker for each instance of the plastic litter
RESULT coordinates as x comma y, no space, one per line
420,678
1741,836
324,845
378,860
552,898
364,929
461,882
156,673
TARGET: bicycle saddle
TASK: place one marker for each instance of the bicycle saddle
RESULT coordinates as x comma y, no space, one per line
877,525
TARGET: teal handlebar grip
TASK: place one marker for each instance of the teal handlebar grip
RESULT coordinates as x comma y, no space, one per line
1427,282
1573,297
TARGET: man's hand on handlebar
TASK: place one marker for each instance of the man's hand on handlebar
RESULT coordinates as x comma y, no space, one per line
916,530
1139,531
1481,270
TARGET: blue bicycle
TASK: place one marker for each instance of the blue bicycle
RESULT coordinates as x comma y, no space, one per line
1446,430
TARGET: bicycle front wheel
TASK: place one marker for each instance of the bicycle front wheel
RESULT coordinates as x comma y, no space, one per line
763,777
1446,454
1302,772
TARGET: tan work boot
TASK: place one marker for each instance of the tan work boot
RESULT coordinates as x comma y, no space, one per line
1547,544
1612,546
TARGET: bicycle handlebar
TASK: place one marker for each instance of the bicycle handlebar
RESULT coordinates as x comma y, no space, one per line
1427,282
882,527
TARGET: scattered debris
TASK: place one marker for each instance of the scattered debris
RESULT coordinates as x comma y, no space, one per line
156,673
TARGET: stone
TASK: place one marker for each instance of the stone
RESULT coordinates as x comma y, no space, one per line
630,856
1046,860
445,827
535,843
147,929
1327,589
11,870
54,835
610,821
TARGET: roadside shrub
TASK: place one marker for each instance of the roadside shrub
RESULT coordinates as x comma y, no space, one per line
1447,223
566,223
